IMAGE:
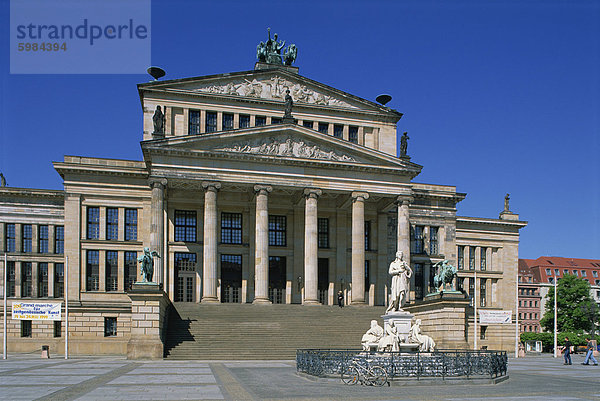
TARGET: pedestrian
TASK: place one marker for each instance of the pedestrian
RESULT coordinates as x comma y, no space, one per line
340,299
590,353
567,351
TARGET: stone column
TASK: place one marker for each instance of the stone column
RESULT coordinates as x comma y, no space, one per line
358,247
209,265
157,224
261,255
310,247
403,235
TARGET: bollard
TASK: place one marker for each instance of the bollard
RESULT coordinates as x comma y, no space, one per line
45,351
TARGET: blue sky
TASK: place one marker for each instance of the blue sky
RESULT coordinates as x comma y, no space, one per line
497,96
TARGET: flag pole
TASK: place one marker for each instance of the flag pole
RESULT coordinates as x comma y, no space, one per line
5,308
66,292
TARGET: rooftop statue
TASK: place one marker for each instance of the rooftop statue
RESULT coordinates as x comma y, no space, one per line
404,144
506,200
159,121
270,51
2,180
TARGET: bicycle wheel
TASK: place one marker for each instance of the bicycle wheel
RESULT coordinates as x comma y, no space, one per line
350,375
378,376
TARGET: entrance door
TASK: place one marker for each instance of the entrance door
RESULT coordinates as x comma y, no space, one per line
323,280
185,277
231,278
277,279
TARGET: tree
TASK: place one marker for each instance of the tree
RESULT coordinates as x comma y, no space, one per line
576,309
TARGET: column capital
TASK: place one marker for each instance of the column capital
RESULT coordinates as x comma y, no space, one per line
404,200
312,193
213,186
360,196
157,182
263,189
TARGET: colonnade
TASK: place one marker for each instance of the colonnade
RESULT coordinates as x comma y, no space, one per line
261,256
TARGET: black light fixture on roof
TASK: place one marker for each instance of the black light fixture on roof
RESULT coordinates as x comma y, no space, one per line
156,72
383,99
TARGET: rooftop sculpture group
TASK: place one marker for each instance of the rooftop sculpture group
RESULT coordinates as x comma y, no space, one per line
270,52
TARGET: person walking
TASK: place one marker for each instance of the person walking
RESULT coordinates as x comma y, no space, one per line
340,296
567,351
590,353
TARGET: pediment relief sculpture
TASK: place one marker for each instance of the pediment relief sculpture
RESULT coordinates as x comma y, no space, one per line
286,147
273,89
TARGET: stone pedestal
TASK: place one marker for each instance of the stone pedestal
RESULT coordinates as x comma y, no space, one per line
443,318
149,307
402,321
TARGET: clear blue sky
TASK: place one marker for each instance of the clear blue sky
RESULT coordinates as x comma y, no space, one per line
497,96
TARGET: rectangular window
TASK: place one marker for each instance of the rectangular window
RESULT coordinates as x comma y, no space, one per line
10,237
548,272
92,271
323,232
556,272
308,124
57,329
275,120
259,121
112,223
194,122
471,290
26,236
227,121
482,292
551,280
353,134
565,272
338,131
419,280
461,257
110,326
244,121
367,274
184,262
131,221
26,280
93,222
59,239
595,273
483,258
43,239
25,328
367,235
583,273
277,225
323,128
59,280
11,279
130,269
483,330
460,286
111,270
417,239
185,225
471,258
211,121
42,280
576,272
433,241
231,228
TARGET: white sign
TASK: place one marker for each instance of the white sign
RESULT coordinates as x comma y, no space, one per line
495,316
36,311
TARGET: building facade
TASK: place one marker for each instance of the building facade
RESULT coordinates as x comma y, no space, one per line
245,205
530,299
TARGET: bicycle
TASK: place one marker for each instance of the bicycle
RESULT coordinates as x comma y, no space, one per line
370,376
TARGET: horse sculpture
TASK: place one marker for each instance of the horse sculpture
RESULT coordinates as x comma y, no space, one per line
445,273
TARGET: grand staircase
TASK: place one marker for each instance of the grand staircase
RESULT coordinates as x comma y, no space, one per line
245,331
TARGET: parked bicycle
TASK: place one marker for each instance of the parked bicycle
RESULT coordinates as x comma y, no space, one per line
369,376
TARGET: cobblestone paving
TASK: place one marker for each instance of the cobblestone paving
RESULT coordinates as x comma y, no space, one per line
23,377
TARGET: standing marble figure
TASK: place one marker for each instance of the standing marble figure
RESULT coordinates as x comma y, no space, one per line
401,273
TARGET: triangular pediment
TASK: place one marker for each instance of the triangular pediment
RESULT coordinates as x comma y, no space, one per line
269,85
280,144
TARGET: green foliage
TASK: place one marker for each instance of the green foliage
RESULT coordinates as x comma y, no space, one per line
576,309
547,339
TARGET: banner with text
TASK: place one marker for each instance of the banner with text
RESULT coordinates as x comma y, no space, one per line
36,311
495,316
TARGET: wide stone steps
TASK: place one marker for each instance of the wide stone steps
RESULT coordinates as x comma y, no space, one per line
243,331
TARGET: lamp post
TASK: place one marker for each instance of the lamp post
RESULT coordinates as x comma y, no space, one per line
555,320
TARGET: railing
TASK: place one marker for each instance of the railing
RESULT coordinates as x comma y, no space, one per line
442,364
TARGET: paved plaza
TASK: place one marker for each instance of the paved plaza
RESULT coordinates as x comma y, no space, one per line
25,377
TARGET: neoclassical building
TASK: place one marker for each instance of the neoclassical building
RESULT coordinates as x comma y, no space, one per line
245,203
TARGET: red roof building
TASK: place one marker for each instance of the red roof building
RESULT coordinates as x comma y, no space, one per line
530,299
